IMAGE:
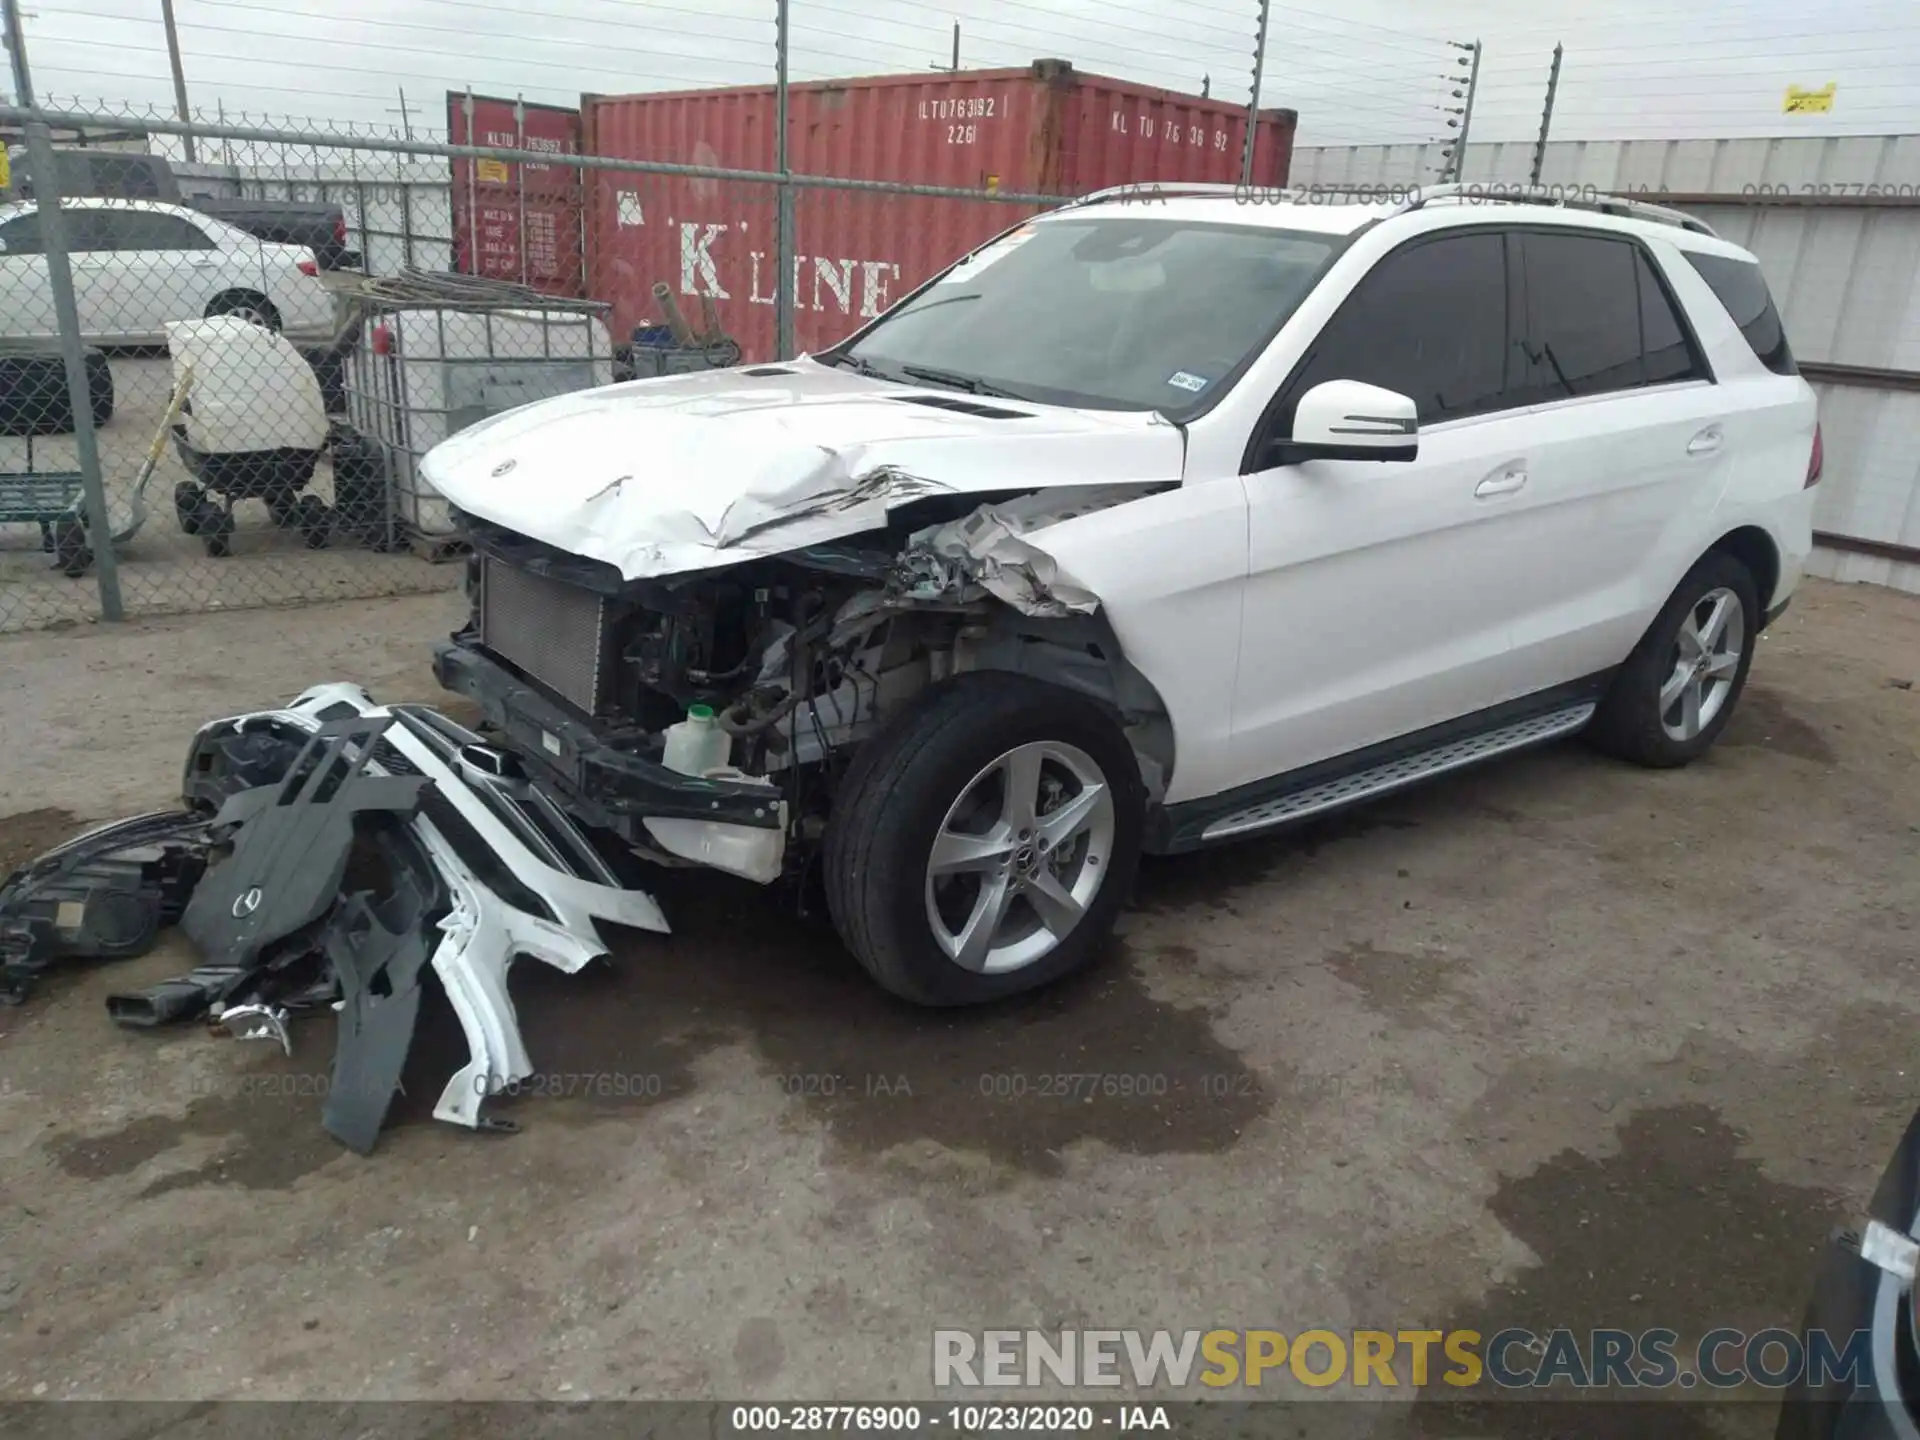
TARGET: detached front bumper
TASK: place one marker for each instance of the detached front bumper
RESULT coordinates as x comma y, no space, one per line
515,878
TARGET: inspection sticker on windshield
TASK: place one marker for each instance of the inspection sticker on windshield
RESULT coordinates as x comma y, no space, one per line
1181,380
994,253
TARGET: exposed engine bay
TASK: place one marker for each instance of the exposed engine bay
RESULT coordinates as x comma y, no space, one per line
798,656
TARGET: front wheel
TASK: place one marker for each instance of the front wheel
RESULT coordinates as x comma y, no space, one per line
216,531
1676,693
70,549
983,844
315,520
247,305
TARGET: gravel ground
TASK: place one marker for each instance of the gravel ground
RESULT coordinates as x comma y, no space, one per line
1559,1042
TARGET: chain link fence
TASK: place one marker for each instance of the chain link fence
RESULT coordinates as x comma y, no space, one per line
214,464
272,336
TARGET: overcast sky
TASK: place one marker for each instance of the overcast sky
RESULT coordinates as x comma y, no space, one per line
1358,71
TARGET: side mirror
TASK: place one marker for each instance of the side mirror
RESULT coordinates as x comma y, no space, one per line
1346,420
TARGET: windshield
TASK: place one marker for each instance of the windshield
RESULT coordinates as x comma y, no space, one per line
1117,312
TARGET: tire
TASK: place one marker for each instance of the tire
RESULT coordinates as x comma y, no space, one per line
315,520
248,305
359,488
34,398
99,387
936,769
216,531
70,549
189,506
1632,724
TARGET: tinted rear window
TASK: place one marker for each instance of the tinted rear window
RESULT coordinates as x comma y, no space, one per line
1743,290
1583,320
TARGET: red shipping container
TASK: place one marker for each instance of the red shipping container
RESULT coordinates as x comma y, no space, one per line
1047,129
519,222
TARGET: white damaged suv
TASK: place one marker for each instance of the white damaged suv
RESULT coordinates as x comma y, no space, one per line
1161,520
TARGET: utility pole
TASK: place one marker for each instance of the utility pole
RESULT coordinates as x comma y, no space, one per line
406,120
520,175
1546,117
954,65
1463,122
785,247
401,173
179,75
473,190
1253,101
14,36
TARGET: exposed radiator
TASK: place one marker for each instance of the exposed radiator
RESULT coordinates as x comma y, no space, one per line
548,630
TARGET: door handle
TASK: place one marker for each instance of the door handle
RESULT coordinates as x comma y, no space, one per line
1706,442
1505,483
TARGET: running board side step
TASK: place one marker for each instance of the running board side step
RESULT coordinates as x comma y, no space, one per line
1396,774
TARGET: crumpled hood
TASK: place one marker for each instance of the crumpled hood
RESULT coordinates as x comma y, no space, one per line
659,477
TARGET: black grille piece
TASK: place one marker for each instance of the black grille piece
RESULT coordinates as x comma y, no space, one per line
965,407
550,631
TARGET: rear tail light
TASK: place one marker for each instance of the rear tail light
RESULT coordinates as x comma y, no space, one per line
1816,460
309,267
340,230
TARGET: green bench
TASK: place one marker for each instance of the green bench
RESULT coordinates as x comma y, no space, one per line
55,500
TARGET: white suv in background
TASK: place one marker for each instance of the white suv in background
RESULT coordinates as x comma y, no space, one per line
138,264
1163,519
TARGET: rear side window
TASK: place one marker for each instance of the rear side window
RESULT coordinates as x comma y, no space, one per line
130,177
1670,352
87,229
145,230
1429,322
1582,306
1597,320
1743,290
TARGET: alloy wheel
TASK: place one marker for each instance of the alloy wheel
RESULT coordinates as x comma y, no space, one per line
1706,661
1020,857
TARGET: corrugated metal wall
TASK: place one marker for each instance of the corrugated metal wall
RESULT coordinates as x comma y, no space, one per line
1721,166
1842,257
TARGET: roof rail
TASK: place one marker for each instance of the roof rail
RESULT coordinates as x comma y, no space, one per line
1621,205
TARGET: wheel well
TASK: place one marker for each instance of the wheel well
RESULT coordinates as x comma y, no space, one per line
241,293
1082,654
1753,548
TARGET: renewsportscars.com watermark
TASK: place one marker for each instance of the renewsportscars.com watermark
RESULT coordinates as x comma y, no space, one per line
1511,1359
